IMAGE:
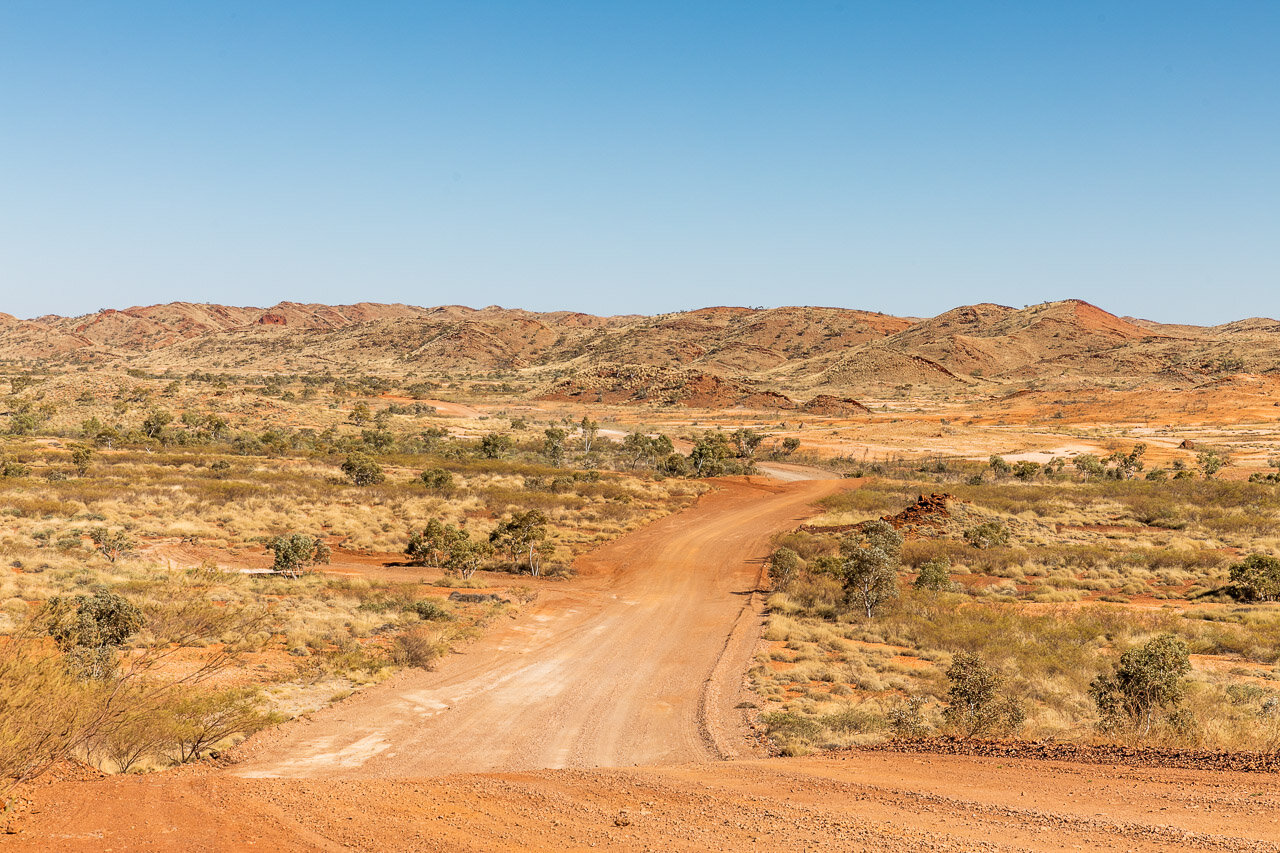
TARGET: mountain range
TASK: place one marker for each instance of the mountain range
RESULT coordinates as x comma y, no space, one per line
717,356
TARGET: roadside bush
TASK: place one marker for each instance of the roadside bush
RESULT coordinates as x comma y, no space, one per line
907,719
1148,683
130,740
783,565
429,610
48,712
417,647
197,722
793,732
976,704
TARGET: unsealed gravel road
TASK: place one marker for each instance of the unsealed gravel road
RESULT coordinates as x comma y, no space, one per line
638,661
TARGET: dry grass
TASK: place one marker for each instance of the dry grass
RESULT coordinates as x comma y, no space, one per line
1081,581
199,510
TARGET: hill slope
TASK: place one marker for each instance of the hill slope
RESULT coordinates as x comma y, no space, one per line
738,352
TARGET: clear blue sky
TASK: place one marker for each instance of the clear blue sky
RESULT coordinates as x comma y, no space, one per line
644,156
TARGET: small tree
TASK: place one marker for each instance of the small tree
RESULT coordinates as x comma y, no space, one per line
521,534
934,574
154,423
746,441
377,440
466,555
296,552
790,445
1026,470
360,414
870,567
1257,578
82,458
708,454
362,470
23,423
999,467
553,444
102,619
91,630
10,468
1211,462
590,429
434,544
975,704
651,449
494,445
672,465
542,552
1147,682
1126,465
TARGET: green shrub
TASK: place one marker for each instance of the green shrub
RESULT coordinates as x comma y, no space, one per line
1148,682
1256,578
295,552
429,610
976,704
989,534
437,479
934,574
362,470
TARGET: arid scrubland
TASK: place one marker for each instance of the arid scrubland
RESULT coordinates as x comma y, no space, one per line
207,527
1047,582
168,500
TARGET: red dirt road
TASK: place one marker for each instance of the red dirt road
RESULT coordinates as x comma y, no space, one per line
628,666
859,801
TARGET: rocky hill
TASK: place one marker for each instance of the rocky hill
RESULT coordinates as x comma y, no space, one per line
772,358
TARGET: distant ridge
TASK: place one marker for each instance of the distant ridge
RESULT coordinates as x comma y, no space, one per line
740,353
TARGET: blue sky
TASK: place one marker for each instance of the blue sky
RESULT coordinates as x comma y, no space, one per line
650,156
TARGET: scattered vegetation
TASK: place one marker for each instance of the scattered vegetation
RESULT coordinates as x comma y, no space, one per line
1016,621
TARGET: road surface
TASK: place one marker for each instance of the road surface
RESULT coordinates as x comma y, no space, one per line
637,662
